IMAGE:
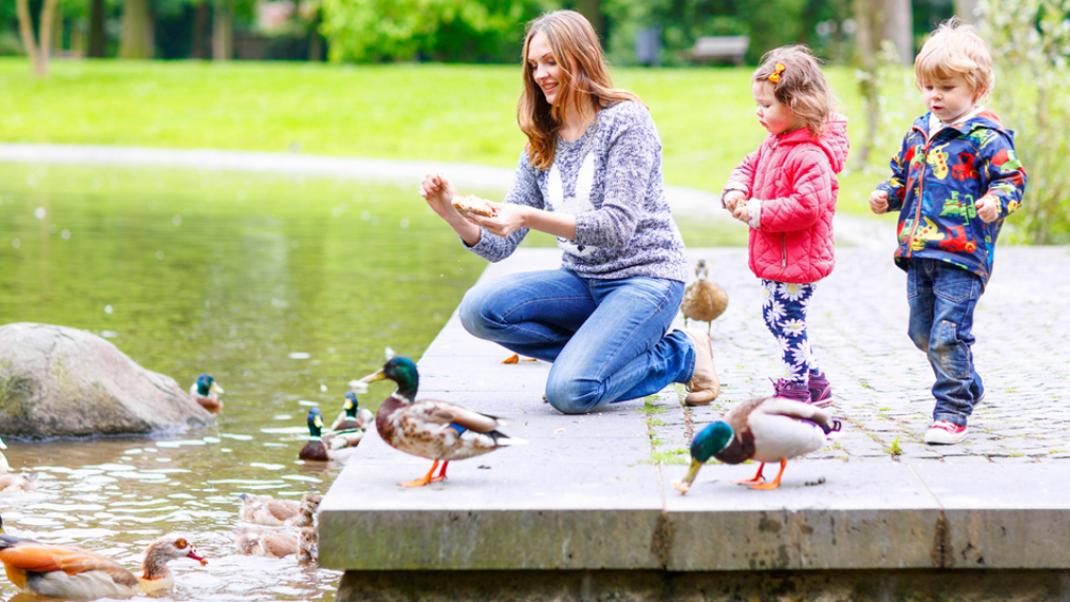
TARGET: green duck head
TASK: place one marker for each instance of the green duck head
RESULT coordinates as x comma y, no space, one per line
710,440
206,385
401,370
350,404
315,423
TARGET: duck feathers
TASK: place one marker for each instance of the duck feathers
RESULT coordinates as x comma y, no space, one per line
443,431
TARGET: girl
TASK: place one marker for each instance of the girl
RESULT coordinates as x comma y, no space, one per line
590,175
786,192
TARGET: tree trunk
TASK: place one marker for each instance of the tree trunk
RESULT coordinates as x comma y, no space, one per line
38,55
592,9
898,27
967,11
97,38
223,31
136,37
199,44
868,16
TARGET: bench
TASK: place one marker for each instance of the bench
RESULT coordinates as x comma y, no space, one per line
716,48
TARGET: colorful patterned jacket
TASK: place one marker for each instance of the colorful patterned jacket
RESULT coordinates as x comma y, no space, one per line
936,183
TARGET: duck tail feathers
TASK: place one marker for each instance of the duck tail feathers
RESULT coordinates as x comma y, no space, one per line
503,440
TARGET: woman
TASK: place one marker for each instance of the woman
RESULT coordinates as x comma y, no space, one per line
591,176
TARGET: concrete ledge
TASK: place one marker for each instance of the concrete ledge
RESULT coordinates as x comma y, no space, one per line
587,509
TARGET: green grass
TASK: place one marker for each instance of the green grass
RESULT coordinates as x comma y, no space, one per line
432,112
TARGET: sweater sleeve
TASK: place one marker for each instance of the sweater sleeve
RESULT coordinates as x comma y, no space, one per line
525,191
811,192
1006,174
895,185
633,152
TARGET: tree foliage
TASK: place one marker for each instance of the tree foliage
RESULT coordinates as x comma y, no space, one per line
1031,44
462,30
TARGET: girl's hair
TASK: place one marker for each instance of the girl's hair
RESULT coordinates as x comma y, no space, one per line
583,79
798,83
953,50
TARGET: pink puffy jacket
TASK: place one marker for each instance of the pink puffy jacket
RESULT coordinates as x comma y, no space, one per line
794,176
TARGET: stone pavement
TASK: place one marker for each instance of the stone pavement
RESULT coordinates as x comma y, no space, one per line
586,509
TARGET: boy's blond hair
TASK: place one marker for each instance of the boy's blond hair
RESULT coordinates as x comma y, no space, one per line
798,83
953,50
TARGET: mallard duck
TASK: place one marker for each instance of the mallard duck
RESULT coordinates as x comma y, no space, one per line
703,300
352,415
436,430
768,429
315,449
271,512
276,543
206,391
76,574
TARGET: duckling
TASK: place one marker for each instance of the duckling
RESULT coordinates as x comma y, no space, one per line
315,449
276,543
76,574
768,429
436,430
18,483
271,512
308,546
206,391
703,300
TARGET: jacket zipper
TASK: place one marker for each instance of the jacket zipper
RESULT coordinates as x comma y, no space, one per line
783,251
921,186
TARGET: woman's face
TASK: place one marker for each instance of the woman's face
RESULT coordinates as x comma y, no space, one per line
544,68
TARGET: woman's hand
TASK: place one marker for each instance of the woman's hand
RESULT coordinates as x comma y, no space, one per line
438,192
508,218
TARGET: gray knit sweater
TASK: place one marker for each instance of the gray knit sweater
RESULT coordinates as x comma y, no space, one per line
610,179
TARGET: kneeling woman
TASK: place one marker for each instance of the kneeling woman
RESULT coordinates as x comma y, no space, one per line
590,175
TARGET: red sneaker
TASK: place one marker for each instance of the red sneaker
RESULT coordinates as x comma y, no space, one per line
945,432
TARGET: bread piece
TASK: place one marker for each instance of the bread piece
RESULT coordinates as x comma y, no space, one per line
471,204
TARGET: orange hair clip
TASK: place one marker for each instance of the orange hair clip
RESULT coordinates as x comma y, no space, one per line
774,77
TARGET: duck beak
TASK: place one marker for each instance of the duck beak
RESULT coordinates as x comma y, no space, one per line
683,486
194,555
374,376
217,388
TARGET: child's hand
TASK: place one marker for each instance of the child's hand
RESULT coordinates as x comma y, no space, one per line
878,201
987,208
741,213
732,199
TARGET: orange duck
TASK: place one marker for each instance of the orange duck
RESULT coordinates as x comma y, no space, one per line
76,574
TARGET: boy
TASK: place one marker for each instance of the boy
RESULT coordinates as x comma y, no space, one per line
954,181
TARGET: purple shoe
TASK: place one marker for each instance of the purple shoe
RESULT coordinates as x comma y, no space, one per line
820,391
791,390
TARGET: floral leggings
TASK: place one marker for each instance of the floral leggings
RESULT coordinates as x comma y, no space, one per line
784,309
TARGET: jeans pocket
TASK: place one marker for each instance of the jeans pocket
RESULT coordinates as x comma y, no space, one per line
957,285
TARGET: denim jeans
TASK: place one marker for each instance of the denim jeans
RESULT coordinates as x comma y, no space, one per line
942,298
606,338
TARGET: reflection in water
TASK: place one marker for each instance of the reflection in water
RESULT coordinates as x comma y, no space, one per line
284,289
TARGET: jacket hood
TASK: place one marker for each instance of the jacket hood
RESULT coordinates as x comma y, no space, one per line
833,141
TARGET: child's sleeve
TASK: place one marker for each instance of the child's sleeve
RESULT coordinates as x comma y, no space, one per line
811,194
742,176
1006,175
895,186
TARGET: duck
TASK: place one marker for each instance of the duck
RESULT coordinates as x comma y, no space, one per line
766,429
315,449
17,483
206,391
432,429
703,300
271,512
5,467
278,543
75,574
349,428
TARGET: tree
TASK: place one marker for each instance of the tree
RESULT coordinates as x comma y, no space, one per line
898,27
97,37
223,31
38,55
1030,45
967,10
136,39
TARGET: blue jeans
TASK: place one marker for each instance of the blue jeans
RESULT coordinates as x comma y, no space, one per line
942,298
606,338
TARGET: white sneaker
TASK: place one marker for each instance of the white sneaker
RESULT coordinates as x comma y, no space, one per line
945,432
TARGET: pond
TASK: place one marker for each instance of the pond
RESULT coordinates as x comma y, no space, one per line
283,287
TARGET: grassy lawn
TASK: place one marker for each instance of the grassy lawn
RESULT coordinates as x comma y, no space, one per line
435,112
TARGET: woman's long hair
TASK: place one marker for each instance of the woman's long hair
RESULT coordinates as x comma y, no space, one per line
583,78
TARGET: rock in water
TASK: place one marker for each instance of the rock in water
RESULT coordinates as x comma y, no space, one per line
64,382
